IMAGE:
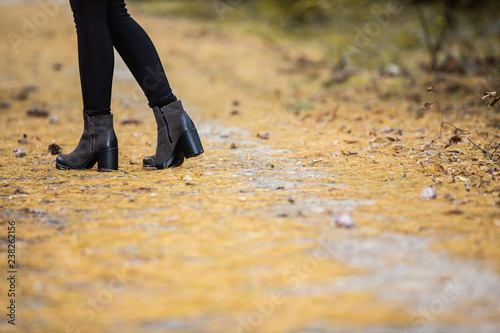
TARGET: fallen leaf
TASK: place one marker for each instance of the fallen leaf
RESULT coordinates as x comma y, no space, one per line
54,149
4,105
264,136
426,106
348,153
455,211
131,121
495,101
453,140
392,139
57,66
37,113
24,93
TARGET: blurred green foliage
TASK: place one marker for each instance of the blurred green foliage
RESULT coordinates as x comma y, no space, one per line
367,31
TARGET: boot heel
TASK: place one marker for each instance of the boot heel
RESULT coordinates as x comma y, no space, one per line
190,144
108,160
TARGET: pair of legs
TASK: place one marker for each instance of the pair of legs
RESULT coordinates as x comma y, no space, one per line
102,25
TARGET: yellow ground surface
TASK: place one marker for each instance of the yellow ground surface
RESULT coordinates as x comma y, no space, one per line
231,240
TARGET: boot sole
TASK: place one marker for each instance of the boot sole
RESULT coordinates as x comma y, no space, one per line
107,160
189,145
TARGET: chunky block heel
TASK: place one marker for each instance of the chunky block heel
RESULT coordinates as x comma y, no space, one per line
107,160
177,137
191,144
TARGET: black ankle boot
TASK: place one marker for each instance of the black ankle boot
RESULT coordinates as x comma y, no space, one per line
177,137
97,144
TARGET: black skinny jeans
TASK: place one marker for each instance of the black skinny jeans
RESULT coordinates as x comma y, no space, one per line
100,25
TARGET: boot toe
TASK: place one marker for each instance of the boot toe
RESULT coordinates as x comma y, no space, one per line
60,162
148,161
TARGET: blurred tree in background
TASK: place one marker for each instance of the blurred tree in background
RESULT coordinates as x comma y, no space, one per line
454,35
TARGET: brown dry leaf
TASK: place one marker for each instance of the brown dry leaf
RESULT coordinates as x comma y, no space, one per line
495,101
264,136
435,168
351,141
131,121
4,105
37,113
392,139
426,106
348,153
453,140
54,149
438,167
455,211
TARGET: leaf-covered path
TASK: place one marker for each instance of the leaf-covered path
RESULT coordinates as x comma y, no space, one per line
243,238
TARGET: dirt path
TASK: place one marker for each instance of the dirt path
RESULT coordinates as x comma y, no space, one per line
242,239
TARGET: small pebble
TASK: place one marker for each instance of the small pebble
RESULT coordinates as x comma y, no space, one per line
344,220
428,193
23,140
54,119
19,152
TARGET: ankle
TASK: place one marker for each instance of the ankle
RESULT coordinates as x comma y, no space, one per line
93,113
169,100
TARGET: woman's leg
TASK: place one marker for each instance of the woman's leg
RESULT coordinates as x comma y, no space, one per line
98,143
139,53
95,54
